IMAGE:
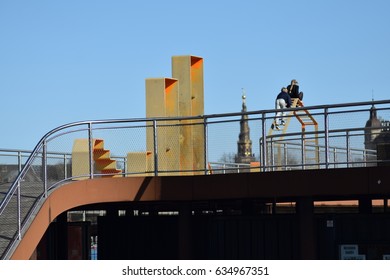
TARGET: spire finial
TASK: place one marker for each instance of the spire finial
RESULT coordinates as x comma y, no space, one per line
243,95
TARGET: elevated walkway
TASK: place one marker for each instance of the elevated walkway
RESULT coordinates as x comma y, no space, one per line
44,176
203,188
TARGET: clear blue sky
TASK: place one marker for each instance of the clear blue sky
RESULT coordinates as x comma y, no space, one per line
73,60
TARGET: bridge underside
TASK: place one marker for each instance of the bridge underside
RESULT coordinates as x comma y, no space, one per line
220,216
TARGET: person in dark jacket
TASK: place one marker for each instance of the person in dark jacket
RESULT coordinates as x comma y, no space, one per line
293,90
283,100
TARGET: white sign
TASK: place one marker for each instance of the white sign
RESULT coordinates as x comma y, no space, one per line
349,249
329,223
350,252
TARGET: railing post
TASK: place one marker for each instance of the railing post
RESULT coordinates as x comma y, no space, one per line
18,202
90,142
365,158
155,147
348,148
285,151
44,167
303,148
205,144
65,168
125,166
263,143
271,155
19,161
326,124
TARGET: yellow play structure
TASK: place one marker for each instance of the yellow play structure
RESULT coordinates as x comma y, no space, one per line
306,119
102,162
179,96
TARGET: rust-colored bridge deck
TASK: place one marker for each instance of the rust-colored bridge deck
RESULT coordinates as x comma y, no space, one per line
317,185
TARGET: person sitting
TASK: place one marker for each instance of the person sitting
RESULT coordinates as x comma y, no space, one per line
293,90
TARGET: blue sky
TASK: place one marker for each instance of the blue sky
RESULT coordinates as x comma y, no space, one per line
73,60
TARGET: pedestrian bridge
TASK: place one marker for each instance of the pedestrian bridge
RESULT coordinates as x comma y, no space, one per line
179,158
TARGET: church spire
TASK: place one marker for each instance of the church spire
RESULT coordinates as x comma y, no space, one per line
244,143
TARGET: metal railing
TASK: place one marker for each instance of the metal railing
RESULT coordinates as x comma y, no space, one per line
291,152
12,161
341,135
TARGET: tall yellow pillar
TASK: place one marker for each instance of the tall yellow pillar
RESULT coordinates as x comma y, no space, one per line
162,100
188,70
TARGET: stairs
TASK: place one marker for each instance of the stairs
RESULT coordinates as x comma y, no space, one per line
311,148
103,164
303,116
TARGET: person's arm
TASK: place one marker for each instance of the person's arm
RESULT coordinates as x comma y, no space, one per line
296,89
288,101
